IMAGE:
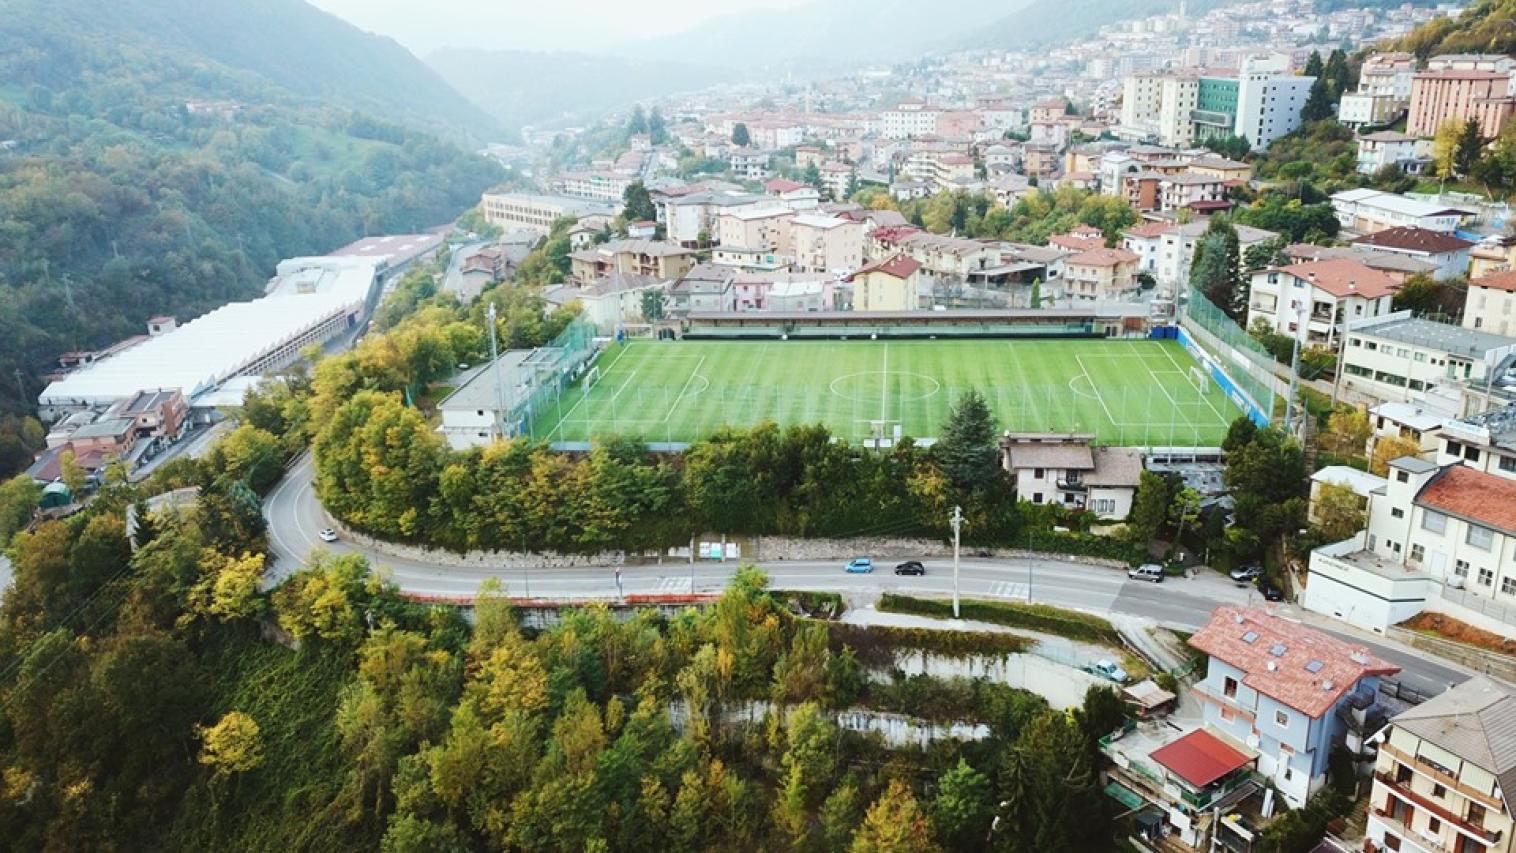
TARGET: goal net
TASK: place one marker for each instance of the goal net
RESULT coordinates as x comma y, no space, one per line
1199,379
591,377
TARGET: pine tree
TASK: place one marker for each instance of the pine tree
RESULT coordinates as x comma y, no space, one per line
1470,144
638,122
1336,73
740,137
1318,104
967,452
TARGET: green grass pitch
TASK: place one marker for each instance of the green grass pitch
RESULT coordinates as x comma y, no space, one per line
1126,392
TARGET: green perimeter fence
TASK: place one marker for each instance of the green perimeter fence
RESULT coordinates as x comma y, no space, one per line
1226,348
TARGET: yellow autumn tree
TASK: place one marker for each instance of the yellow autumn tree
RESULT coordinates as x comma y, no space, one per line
895,823
227,588
1389,449
233,745
1347,431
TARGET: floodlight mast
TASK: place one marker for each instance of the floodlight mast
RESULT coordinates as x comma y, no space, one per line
495,369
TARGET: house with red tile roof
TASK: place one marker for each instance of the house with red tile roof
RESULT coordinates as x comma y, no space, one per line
1448,252
892,284
1491,303
1314,301
1101,274
1275,686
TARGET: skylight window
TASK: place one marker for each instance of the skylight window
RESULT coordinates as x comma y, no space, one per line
1277,650
1314,666
1250,637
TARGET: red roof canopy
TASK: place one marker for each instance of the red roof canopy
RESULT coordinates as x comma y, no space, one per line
1200,758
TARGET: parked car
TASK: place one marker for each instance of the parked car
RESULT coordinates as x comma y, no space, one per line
328,535
1109,670
860,565
1149,572
910,567
1270,592
1247,573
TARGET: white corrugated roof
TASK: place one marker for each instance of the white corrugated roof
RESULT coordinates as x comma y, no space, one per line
212,348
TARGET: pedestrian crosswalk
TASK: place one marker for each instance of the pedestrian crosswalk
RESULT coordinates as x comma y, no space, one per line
1008,589
672,584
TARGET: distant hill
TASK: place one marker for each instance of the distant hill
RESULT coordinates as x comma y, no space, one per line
518,87
1488,26
288,43
826,34
1051,21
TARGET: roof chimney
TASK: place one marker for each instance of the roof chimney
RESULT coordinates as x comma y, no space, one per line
1327,685
1273,665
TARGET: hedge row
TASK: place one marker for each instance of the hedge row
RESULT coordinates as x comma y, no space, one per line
1034,617
876,646
941,700
1083,545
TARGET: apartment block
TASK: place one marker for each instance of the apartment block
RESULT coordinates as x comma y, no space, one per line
1445,773
1399,357
1444,95
826,243
1313,301
1491,303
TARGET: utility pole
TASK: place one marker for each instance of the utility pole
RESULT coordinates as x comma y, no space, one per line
495,368
957,522
1289,404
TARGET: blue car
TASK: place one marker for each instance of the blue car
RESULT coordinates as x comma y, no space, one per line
860,565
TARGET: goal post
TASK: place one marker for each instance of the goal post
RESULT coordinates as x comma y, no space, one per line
1199,379
591,377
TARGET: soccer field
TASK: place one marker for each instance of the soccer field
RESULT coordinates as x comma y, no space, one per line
1126,392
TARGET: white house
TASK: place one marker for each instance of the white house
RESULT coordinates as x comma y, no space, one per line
1177,249
1389,148
1364,211
1274,686
1449,253
479,411
1362,484
1066,469
1313,301
1399,357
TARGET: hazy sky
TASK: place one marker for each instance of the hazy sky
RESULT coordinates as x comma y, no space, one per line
424,25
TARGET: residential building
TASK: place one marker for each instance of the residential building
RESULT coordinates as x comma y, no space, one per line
1390,148
1398,267
1102,274
826,243
608,187
1491,303
1176,249
1068,470
1485,441
1445,774
1146,241
1080,238
1196,785
1364,211
1450,254
795,195
942,255
707,287
797,294
1260,101
765,229
909,119
1384,90
690,220
1451,95
892,284
1361,483
1399,357
481,409
536,213
1141,103
749,164
836,179
155,414
1495,253
610,302
1418,422
1313,301
1284,690
1039,160
111,437
655,258
1229,171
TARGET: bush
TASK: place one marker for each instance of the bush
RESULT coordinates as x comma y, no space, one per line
1034,617
817,605
876,646
1084,545
941,700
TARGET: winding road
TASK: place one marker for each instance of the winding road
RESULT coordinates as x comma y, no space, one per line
295,518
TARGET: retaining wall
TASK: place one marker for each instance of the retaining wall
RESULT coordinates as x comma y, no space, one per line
1489,663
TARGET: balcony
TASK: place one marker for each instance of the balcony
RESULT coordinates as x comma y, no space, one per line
1072,484
1419,801
1410,840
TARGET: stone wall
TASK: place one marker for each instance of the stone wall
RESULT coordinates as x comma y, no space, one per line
754,549
1489,663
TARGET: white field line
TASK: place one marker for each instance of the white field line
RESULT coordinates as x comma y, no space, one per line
564,418
1219,416
684,390
1095,388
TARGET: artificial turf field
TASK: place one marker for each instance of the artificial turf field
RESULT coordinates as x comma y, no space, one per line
1126,392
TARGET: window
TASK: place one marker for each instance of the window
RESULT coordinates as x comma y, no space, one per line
1402,774
1229,687
1434,826
1471,454
1434,521
1455,449
1486,577
1397,512
1476,814
1480,537
1461,568
1439,791
1508,463
480,413
1037,497
1508,586
1402,477
1037,473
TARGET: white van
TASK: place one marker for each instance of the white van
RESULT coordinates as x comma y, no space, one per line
1150,572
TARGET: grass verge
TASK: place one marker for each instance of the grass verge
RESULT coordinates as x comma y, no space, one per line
1033,617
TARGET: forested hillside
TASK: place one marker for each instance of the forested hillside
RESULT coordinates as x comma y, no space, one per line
117,202
1487,26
